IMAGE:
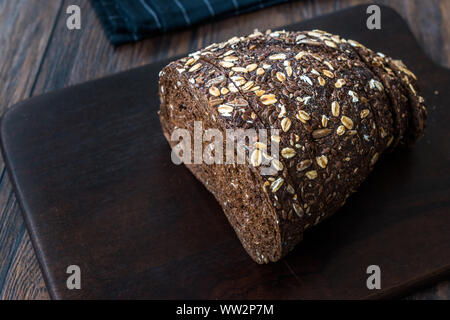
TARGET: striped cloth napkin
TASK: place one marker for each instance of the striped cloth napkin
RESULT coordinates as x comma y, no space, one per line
131,20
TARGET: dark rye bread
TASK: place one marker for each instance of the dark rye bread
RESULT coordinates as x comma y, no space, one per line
277,76
290,81
328,69
417,110
273,53
396,92
279,114
255,84
260,230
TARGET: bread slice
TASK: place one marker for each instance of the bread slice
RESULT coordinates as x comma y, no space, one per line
337,109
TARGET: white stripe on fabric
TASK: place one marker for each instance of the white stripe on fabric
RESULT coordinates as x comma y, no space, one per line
153,14
210,8
183,10
235,4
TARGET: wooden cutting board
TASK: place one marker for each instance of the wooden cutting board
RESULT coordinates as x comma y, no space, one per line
94,178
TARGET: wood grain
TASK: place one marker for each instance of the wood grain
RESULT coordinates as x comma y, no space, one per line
62,57
25,29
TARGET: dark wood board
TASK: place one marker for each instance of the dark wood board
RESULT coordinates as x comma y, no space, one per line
93,176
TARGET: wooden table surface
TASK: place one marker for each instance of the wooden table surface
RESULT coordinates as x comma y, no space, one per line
39,54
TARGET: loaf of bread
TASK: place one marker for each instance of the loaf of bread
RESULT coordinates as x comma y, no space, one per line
338,107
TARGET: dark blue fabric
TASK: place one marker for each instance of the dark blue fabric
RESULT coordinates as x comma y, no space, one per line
131,20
